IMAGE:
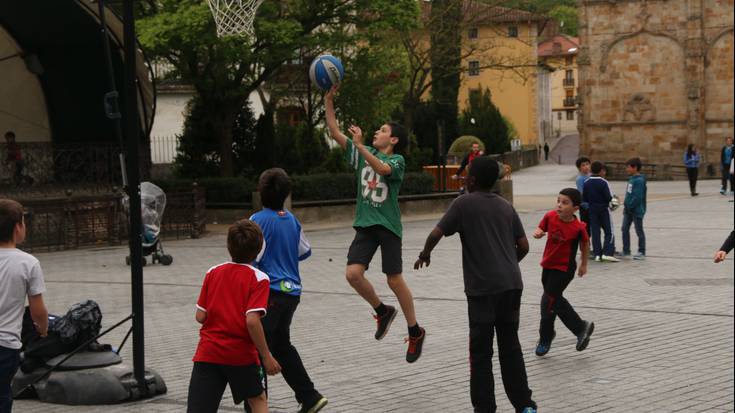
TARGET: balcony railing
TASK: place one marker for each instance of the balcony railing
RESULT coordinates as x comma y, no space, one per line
568,81
570,102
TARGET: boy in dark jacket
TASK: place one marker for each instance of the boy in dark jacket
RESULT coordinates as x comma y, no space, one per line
597,195
634,208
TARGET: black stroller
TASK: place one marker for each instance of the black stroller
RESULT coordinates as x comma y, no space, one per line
152,205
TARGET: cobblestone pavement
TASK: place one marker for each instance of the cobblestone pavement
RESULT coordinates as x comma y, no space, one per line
664,326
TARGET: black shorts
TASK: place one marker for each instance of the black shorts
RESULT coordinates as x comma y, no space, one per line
208,382
366,242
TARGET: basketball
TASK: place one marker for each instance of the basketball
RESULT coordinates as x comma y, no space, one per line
326,71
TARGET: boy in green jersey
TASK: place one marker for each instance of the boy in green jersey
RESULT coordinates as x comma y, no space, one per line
379,172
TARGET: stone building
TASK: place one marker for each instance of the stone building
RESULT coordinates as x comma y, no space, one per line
655,75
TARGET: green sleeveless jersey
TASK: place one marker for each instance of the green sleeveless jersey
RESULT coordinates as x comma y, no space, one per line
377,195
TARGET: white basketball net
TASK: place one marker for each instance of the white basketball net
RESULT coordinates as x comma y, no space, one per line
234,17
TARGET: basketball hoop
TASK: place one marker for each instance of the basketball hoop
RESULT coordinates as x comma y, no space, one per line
234,17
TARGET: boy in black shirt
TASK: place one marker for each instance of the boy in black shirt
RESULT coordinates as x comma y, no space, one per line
493,242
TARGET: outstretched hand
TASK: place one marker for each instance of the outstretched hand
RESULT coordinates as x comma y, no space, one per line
720,256
331,92
538,233
356,133
421,262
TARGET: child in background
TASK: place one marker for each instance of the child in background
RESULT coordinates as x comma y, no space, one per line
583,166
598,195
634,208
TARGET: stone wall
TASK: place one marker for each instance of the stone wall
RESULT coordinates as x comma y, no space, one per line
655,75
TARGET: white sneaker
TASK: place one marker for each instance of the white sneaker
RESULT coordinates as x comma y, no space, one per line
598,258
607,258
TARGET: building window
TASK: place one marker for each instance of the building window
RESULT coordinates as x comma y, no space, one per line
569,60
512,31
558,115
570,115
473,33
474,68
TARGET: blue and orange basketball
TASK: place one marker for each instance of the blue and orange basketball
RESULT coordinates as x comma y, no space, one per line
326,71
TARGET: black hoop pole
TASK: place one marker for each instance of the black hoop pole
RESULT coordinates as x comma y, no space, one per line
130,115
69,355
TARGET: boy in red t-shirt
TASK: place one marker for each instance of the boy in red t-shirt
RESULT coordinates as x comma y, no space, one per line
567,234
234,297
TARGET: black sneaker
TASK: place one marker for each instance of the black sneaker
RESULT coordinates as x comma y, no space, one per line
583,339
319,404
385,321
543,347
414,346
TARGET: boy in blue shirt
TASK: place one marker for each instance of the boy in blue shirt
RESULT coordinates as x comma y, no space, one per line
284,245
634,208
583,166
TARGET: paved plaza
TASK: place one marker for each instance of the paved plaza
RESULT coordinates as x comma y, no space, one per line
664,326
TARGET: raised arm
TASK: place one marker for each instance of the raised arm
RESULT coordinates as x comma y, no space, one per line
331,118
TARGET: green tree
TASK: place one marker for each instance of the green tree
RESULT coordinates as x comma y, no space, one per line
224,71
482,118
568,19
446,61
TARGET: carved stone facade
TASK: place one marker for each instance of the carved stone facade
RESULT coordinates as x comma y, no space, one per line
655,75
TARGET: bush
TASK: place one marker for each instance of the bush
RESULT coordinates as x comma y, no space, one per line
236,190
316,187
463,144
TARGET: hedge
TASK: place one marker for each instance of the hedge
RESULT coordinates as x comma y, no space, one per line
317,187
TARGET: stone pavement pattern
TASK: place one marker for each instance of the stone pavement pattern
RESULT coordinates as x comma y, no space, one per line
663,339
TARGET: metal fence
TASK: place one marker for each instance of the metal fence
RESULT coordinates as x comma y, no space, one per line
163,149
98,220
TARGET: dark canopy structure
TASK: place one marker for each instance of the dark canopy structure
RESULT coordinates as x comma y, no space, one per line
60,43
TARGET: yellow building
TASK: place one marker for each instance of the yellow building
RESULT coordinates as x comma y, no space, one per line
499,52
559,55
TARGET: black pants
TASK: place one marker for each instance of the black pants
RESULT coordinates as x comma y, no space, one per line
9,361
208,382
499,314
692,174
600,220
553,303
277,327
584,216
726,177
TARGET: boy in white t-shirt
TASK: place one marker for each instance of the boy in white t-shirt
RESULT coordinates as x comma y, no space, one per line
20,276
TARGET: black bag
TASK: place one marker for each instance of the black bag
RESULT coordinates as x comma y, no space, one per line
81,323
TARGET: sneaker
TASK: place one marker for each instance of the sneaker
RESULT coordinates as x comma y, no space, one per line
722,191
414,346
598,258
695,193
543,347
607,258
639,257
318,405
626,254
385,321
528,410
584,338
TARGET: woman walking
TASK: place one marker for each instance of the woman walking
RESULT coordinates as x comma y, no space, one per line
691,160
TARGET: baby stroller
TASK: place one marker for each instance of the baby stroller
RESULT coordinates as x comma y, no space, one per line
152,205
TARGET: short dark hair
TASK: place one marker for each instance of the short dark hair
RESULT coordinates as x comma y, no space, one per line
11,214
244,241
573,194
597,167
9,134
635,163
274,186
485,171
581,160
398,131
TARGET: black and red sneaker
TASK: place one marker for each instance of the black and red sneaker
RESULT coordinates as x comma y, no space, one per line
385,321
415,345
